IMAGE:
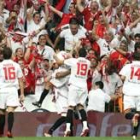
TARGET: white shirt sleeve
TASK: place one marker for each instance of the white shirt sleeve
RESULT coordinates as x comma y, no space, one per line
119,81
100,42
69,62
124,71
128,30
62,34
107,98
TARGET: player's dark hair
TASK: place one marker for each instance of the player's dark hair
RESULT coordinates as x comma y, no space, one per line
136,56
7,53
100,84
82,52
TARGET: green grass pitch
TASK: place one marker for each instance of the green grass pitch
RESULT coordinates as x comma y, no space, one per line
71,138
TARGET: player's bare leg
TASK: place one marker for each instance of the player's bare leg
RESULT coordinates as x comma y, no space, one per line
85,130
135,122
69,121
59,122
10,120
2,122
134,116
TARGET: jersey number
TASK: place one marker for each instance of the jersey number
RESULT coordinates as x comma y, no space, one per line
9,73
82,69
133,73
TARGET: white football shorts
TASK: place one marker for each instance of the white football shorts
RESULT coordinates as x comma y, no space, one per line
9,97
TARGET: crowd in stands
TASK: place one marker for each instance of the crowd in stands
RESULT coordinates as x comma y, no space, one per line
35,30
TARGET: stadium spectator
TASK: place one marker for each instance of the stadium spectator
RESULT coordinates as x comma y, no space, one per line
59,80
97,98
93,73
137,38
45,51
111,79
4,14
90,13
65,17
104,44
10,4
71,35
120,59
17,40
11,21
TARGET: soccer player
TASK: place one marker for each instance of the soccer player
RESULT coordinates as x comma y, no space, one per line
77,94
71,35
48,85
60,86
10,80
59,80
130,74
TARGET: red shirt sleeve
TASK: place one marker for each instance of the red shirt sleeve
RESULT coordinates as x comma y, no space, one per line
30,59
87,15
89,18
65,20
60,4
96,48
100,30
